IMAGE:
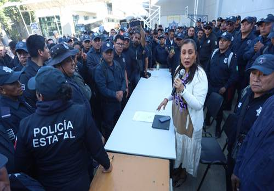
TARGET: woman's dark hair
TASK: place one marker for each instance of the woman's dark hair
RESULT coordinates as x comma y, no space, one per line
64,94
195,65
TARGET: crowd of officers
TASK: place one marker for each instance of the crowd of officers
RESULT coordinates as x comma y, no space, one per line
103,70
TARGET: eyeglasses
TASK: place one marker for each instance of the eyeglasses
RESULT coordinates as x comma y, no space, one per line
120,44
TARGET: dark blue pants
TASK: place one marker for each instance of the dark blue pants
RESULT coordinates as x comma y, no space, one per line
111,113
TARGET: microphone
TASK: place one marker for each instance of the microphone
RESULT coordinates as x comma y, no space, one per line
182,73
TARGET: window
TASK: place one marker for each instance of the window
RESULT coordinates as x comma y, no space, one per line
109,8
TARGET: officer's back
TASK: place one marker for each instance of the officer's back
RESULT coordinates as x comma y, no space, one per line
54,141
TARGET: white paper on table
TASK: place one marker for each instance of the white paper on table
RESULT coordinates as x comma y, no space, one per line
144,116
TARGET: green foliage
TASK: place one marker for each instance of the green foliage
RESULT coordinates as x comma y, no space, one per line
12,22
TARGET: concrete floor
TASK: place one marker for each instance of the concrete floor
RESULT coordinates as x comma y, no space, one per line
215,178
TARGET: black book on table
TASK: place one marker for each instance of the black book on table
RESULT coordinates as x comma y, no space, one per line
159,125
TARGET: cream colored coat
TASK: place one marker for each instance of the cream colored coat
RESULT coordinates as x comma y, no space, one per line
195,94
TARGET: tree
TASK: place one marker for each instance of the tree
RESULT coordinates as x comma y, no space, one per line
12,22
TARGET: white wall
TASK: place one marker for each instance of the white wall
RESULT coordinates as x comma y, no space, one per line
225,8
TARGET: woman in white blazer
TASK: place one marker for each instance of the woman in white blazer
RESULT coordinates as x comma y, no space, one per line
187,112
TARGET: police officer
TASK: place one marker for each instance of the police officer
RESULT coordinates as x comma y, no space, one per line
55,142
148,49
198,25
138,48
120,58
22,55
86,43
217,29
251,104
39,54
241,44
238,23
160,53
13,107
94,55
61,58
207,45
5,59
230,26
130,61
260,42
174,54
269,49
191,35
94,58
170,40
222,73
110,81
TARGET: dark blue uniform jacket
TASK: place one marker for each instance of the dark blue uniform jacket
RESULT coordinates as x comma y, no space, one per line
53,144
110,79
255,161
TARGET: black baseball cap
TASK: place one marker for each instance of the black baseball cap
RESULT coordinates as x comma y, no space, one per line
21,46
107,46
264,63
208,25
60,52
8,76
220,19
238,17
161,36
96,36
3,160
180,36
126,36
199,20
260,21
269,18
231,19
226,36
86,38
248,19
48,81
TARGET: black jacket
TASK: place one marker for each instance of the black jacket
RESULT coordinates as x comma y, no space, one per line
54,142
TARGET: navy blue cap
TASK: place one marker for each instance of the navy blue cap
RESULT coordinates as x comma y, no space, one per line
260,21
8,76
60,52
48,81
86,37
248,19
21,46
180,36
3,160
226,36
208,24
220,19
231,19
238,17
69,39
107,46
199,20
264,63
95,35
271,34
269,18
126,36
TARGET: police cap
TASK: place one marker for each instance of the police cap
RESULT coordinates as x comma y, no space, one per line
8,76
264,63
